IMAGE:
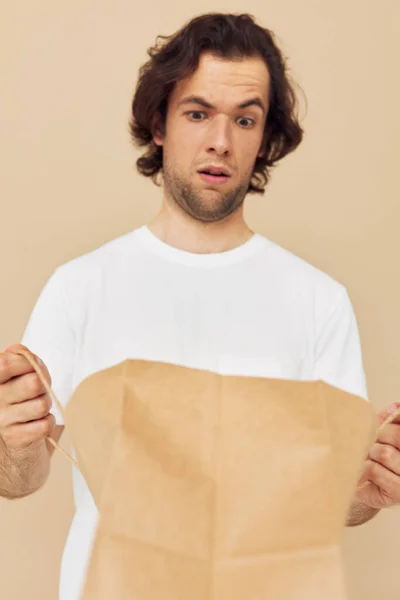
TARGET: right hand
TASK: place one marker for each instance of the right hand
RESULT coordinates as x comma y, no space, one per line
24,404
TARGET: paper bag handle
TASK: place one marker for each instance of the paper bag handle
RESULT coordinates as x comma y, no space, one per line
30,358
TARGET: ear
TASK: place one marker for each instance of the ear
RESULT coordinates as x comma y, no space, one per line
158,129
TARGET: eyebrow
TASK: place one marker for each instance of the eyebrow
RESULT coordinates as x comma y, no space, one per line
199,100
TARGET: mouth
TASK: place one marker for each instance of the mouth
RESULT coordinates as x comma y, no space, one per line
213,176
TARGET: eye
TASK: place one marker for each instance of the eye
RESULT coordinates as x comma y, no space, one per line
251,121
195,112
196,115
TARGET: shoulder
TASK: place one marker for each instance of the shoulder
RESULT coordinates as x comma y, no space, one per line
80,282
299,272
87,266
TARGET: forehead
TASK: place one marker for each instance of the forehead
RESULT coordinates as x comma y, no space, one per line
225,79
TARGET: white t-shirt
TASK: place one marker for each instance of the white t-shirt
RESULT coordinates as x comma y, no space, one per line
255,310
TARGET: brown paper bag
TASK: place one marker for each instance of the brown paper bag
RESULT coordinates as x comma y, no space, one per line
214,487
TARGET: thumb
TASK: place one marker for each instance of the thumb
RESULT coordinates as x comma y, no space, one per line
15,348
386,412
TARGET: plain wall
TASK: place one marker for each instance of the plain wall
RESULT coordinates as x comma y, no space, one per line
69,184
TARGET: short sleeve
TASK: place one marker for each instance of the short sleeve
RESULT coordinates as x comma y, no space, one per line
49,335
338,356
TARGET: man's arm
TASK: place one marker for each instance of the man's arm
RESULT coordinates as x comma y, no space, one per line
360,513
25,470
338,360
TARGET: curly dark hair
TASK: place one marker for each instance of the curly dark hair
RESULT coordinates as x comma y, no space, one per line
230,36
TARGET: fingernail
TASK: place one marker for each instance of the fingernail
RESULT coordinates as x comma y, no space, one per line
393,408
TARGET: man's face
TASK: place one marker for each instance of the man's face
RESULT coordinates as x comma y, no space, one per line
205,126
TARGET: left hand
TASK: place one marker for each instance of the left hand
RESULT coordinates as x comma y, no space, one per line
382,467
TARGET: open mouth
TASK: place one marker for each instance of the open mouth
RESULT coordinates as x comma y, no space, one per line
213,177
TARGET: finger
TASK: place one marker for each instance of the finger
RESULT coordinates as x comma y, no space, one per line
390,434
13,350
13,365
396,418
387,456
25,387
44,370
388,411
24,434
30,410
16,347
387,481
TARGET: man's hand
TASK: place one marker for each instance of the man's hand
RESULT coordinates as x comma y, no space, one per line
382,468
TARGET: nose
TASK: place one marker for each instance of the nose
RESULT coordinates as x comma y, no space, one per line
219,139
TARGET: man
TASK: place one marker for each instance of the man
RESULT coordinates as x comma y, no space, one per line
196,286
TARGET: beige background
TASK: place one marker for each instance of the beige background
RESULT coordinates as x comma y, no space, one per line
69,185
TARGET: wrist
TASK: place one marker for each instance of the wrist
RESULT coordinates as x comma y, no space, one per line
360,513
23,470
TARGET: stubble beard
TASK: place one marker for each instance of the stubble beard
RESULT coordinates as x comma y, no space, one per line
207,205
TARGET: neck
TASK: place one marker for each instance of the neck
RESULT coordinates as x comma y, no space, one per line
185,233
